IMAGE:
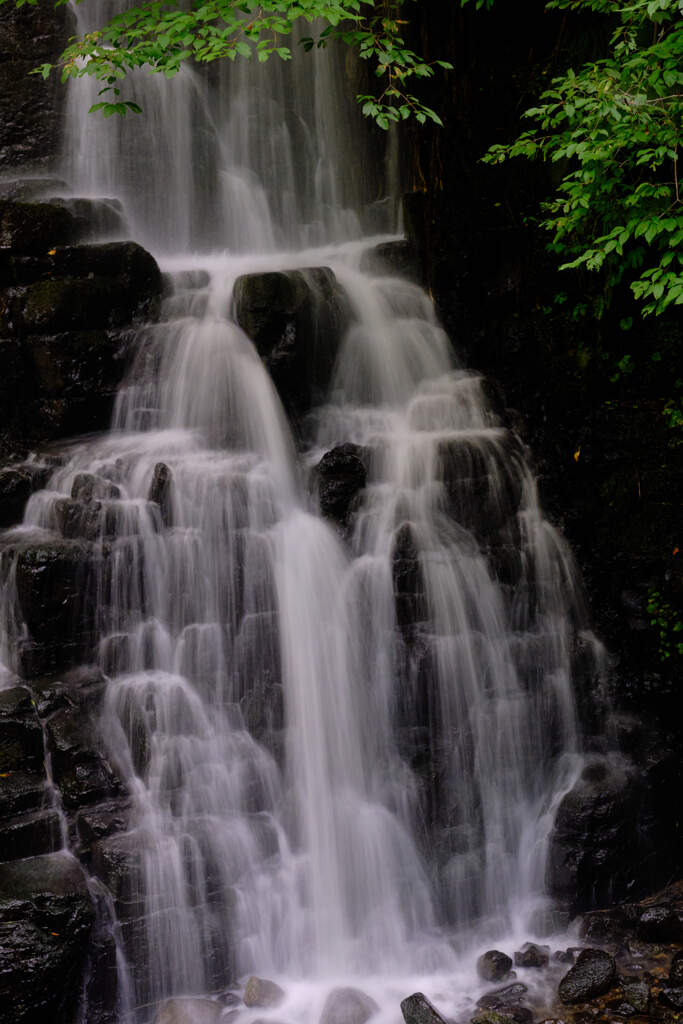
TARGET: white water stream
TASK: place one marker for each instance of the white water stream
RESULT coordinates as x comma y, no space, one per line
389,819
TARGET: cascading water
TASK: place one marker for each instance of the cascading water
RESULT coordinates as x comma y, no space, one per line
254,161
344,751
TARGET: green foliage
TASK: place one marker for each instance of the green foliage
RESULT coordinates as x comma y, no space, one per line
673,414
667,622
161,35
615,127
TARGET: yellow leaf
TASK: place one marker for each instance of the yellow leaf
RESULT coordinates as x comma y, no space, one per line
577,453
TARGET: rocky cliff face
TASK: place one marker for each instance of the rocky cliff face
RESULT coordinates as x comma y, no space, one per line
30,109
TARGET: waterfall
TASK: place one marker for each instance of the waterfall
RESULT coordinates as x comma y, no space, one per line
344,749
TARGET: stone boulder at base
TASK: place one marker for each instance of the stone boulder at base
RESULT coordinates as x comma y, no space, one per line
296,320
188,1010
493,965
263,993
348,1006
505,1002
594,826
676,970
493,1017
417,1009
46,917
593,974
531,955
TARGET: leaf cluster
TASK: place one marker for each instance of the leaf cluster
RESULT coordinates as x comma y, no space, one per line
615,128
667,623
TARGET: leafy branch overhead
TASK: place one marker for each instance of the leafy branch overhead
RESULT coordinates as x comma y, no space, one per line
615,127
160,36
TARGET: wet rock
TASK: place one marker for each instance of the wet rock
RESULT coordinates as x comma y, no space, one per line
636,994
30,108
76,376
531,955
21,735
493,965
15,382
348,1006
395,259
160,491
27,189
507,1001
258,665
30,835
95,218
594,824
500,1016
672,997
262,992
482,481
676,971
66,334
104,820
296,321
116,860
36,227
73,304
188,1010
594,974
503,998
15,702
644,951
16,487
46,916
77,519
21,791
79,690
80,766
263,710
660,924
417,1009
610,926
340,476
88,487
230,999
52,588
408,581
131,268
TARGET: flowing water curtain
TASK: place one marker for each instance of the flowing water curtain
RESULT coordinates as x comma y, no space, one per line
342,751
246,156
